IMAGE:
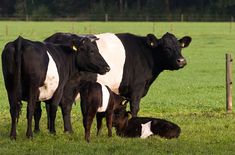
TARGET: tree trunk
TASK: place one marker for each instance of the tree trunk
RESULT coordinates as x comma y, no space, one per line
167,9
121,6
138,5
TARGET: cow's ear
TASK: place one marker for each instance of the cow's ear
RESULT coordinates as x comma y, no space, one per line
94,39
152,41
85,41
129,115
74,45
124,102
185,41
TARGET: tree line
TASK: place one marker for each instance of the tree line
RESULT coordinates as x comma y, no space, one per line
68,8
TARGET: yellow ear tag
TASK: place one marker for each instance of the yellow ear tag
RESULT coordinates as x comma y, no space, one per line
74,48
124,102
151,43
182,44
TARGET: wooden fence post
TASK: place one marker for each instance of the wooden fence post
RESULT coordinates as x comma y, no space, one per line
106,17
229,82
182,17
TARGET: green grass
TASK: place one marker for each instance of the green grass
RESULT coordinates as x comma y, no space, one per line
193,97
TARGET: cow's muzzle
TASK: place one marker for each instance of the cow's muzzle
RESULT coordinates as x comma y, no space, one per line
181,62
107,69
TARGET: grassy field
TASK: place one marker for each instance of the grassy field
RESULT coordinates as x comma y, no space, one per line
193,97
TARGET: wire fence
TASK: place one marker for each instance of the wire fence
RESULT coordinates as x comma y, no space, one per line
109,17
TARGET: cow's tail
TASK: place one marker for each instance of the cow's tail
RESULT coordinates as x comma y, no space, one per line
17,79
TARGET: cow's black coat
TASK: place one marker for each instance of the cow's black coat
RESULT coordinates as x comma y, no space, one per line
24,65
91,100
132,127
146,58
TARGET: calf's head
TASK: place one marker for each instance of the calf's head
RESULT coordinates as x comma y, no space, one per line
167,50
88,57
120,119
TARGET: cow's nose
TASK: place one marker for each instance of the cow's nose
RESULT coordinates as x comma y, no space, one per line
107,69
181,61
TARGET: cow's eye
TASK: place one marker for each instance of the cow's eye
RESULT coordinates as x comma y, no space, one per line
167,50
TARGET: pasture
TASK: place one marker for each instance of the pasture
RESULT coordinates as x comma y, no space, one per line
193,98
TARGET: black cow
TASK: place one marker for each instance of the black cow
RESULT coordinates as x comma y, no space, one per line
143,126
135,62
98,100
37,71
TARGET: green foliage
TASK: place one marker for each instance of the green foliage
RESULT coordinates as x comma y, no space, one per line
193,97
168,8
41,12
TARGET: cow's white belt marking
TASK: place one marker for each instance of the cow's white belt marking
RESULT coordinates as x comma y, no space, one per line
105,99
146,130
51,82
113,51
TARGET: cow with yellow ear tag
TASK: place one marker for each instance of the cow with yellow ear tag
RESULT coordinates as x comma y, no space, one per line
135,62
39,71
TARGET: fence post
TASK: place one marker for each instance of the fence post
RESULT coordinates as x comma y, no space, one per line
182,17
229,82
106,17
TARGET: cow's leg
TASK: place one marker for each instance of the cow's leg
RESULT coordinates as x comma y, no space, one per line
88,114
14,105
30,109
53,108
48,113
52,116
99,117
37,116
66,107
13,111
109,120
87,121
134,106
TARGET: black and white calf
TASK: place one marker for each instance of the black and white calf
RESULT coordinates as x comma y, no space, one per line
98,100
135,62
37,71
143,127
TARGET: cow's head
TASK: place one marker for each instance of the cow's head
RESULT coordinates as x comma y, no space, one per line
119,101
168,50
88,57
120,119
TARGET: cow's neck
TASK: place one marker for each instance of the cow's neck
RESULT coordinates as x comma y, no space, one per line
71,57
156,65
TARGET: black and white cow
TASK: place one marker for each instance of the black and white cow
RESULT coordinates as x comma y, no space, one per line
135,62
98,100
37,71
143,127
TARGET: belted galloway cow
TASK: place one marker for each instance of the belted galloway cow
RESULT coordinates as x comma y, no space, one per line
37,71
135,62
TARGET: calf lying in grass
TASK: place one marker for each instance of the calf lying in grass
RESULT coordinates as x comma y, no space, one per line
143,126
99,100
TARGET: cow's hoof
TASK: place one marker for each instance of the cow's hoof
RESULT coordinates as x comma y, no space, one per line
69,132
29,136
53,132
12,137
87,139
36,130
